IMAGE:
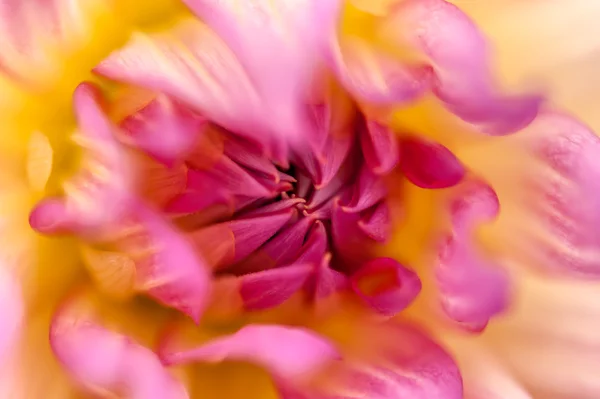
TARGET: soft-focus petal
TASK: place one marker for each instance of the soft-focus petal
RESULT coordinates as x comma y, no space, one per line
561,198
164,129
11,303
99,195
459,54
106,363
473,289
172,272
287,352
379,146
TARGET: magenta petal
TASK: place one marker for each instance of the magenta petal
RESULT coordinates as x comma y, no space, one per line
564,197
174,274
102,361
460,57
315,247
349,241
229,176
429,165
386,285
325,281
230,242
286,352
369,190
99,195
473,289
250,156
282,249
12,311
164,129
376,223
379,146
270,288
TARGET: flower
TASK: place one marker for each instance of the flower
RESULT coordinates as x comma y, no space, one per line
303,197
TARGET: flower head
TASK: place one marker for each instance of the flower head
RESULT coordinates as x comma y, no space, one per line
292,185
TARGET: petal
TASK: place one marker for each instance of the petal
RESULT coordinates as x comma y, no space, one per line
350,242
288,353
270,288
172,272
315,246
107,363
376,223
255,31
460,58
386,285
562,197
403,363
368,191
280,250
191,63
473,288
13,310
379,146
375,77
99,195
164,129
227,243
428,164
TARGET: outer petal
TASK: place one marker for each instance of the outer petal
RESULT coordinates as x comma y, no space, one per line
404,363
11,303
292,29
460,57
288,353
561,198
472,288
106,363
164,129
99,196
172,272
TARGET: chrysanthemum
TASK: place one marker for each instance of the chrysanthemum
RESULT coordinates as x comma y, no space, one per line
303,199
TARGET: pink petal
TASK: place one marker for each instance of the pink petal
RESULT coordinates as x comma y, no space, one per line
405,363
270,288
376,223
563,197
173,273
460,58
104,362
376,77
368,190
429,165
379,146
249,156
325,281
286,352
227,243
229,176
255,31
13,311
386,285
99,195
164,129
473,288
315,246
350,242
280,250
